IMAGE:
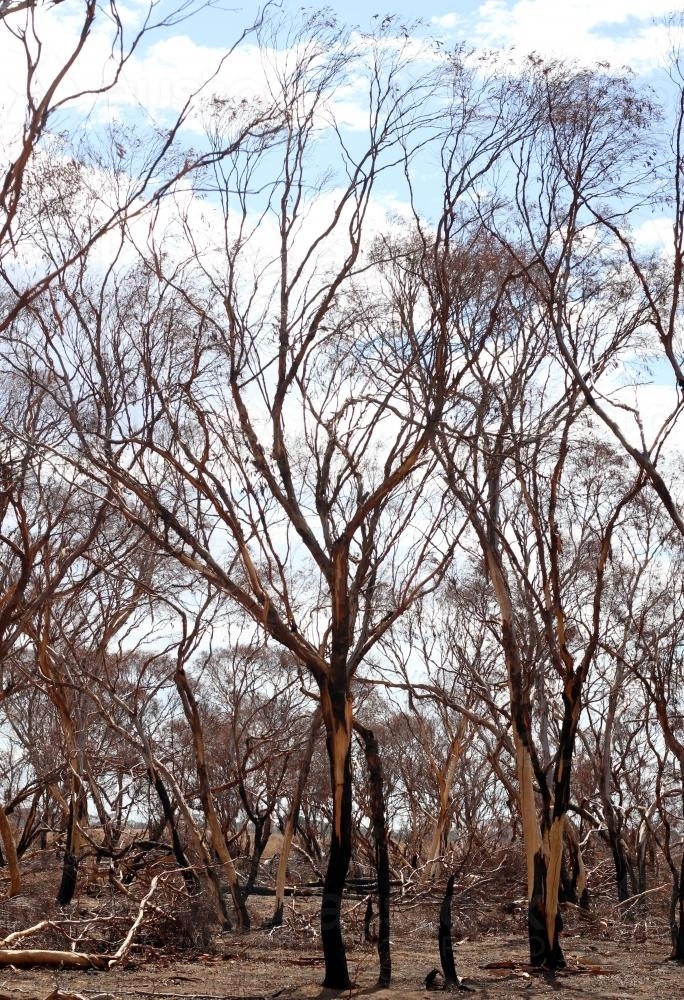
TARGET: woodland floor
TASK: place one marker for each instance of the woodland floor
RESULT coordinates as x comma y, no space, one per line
610,963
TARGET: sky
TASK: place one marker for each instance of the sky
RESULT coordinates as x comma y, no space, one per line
172,63
621,32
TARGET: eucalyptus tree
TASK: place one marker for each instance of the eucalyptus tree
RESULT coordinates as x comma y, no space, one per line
578,204
253,398
544,528
259,717
510,451
49,528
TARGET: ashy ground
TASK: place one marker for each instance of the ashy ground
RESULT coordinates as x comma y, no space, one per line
604,962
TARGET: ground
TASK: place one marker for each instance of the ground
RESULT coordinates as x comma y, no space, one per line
607,962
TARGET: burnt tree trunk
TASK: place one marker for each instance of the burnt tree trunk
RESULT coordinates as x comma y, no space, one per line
77,812
7,837
579,892
67,885
446,944
262,831
381,852
545,949
337,715
620,862
191,880
678,952
368,922
567,891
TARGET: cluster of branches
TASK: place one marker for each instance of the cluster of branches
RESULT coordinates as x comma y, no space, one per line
262,454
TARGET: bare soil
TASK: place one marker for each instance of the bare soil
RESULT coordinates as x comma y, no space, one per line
606,960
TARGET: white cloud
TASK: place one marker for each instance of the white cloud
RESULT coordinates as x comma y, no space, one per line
620,32
446,21
655,234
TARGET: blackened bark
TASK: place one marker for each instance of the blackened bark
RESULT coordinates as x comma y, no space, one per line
336,971
262,831
67,885
30,831
381,851
190,877
567,892
620,863
679,944
367,921
577,873
337,715
446,944
543,953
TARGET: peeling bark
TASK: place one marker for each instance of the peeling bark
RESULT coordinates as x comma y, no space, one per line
545,950
10,853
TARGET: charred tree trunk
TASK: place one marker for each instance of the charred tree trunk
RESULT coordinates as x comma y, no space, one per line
337,715
567,892
381,852
578,874
620,862
32,829
190,877
368,922
678,952
67,885
262,831
78,813
446,944
545,949
541,942
155,767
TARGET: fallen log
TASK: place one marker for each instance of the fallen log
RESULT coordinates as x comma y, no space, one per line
53,959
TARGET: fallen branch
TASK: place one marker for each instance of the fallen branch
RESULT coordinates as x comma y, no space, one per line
26,932
631,900
24,957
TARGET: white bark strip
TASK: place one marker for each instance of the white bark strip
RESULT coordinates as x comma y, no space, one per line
10,853
553,874
528,809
